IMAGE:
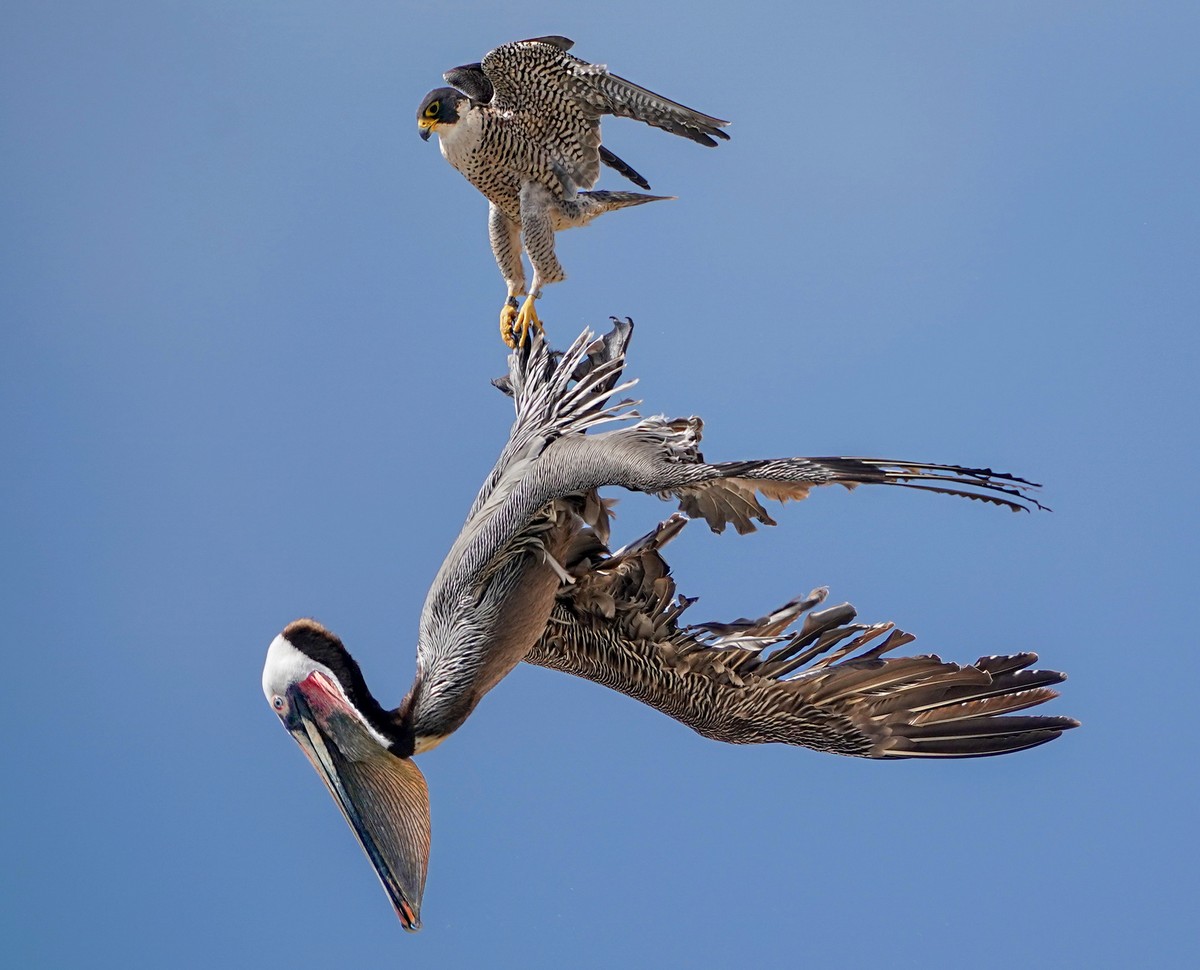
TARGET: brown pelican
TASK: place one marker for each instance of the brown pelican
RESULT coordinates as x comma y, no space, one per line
530,577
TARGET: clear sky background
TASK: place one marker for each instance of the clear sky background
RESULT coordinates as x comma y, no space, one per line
248,323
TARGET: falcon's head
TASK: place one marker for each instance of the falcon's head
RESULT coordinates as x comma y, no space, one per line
439,108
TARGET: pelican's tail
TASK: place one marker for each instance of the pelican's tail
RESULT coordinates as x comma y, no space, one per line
562,393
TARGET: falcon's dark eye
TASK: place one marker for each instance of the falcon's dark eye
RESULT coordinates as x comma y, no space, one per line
432,110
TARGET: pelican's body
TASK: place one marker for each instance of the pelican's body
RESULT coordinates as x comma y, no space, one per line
530,577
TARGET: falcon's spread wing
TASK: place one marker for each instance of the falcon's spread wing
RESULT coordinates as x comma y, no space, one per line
826,686
471,81
560,99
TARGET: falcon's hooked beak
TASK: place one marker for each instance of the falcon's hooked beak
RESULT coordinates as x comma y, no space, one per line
382,796
427,128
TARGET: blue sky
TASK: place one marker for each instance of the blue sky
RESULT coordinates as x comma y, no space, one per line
249,322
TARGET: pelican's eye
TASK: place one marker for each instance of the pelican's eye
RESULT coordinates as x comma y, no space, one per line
279,704
432,110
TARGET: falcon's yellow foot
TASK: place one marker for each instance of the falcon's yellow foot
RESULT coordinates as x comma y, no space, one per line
515,324
508,316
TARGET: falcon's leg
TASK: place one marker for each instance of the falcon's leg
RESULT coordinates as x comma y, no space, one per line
505,236
537,232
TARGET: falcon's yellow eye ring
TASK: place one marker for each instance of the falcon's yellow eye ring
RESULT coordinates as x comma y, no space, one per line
432,110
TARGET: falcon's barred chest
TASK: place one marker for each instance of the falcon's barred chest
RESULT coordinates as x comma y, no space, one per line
539,135
496,156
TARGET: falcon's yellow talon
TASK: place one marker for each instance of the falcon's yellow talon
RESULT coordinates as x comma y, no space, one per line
526,319
508,316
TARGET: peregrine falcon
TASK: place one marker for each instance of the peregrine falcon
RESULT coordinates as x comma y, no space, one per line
523,126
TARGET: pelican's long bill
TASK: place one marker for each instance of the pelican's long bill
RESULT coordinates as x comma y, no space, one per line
382,796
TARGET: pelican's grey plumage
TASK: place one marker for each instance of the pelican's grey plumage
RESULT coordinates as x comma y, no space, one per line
530,577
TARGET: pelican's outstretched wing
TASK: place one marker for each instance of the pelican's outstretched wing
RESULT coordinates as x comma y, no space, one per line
826,685
560,394
497,585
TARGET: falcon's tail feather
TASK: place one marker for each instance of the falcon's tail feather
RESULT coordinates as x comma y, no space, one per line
598,202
